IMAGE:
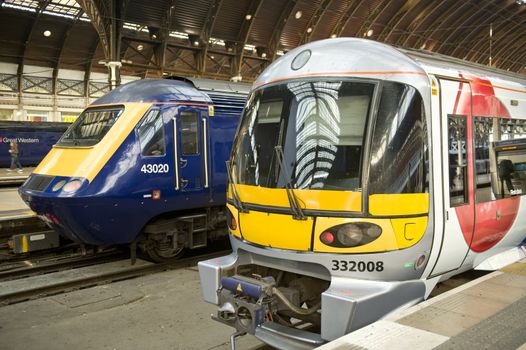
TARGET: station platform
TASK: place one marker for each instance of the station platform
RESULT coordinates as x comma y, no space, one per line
14,177
156,312
487,313
12,207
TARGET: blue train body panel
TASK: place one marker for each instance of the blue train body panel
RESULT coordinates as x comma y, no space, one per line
34,140
123,197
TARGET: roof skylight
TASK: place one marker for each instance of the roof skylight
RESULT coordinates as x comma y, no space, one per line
24,5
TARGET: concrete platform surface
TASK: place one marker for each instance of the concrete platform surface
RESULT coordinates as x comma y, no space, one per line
9,287
15,176
12,206
487,313
160,311
6,172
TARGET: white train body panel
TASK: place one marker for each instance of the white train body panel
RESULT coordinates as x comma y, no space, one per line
475,211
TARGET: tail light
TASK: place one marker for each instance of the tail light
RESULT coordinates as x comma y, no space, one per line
327,237
351,235
231,220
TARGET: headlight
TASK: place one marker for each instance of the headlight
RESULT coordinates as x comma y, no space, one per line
72,185
58,185
351,235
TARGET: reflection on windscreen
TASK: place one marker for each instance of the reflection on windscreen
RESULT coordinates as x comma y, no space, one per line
91,126
320,126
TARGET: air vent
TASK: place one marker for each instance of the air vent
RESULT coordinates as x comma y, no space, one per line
227,105
38,183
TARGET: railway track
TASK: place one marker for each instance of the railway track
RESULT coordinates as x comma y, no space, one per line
27,268
18,290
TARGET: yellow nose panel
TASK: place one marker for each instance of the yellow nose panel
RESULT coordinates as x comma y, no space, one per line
87,162
276,230
309,199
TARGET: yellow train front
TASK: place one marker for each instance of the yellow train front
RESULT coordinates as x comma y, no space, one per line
328,201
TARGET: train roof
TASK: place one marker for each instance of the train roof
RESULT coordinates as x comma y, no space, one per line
371,59
219,86
435,63
155,90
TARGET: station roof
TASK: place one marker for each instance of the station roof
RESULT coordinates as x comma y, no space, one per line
222,39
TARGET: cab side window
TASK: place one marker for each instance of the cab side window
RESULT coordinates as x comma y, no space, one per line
151,134
189,136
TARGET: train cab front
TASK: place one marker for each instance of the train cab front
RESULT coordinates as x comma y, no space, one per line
69,189
53,198
328,207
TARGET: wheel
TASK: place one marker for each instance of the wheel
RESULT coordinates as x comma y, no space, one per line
160,250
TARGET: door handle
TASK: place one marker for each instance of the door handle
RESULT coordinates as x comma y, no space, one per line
183,162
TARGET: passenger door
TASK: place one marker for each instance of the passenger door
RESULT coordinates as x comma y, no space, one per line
191,170
457,175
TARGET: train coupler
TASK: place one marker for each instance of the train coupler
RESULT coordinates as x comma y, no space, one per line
245,303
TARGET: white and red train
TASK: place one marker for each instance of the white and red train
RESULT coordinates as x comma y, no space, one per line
361,176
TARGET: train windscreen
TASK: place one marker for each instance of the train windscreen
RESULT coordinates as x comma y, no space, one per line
308,134
91,126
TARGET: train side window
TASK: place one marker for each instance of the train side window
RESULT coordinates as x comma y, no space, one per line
510,158
458,162
484,135
500,157
151,134
189,134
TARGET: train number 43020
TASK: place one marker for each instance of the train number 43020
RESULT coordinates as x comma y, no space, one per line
155,168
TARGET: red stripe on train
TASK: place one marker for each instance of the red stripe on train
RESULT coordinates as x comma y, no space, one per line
483,224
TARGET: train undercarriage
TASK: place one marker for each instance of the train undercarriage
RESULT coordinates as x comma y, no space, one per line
168,236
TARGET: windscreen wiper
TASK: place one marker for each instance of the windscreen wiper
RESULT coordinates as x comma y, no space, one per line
235,196
297,212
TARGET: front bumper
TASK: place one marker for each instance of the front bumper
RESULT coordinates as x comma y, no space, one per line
348,304
86,219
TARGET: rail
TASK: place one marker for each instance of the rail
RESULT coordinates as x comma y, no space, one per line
131,271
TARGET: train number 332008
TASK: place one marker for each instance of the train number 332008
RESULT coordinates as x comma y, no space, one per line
360,266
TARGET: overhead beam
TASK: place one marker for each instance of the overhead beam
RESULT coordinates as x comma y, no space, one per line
27,36
107,19
418,12
99,16
89,65
501,33
344,21
417,24
246,26
516,59
206,34
487,45
474,20
315,21
275,37
181,72
429,35
508,52
380,7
